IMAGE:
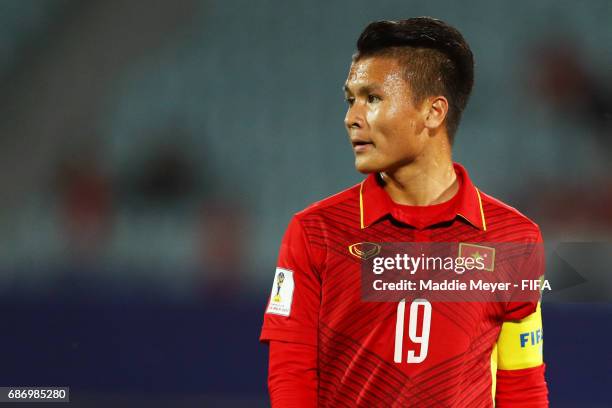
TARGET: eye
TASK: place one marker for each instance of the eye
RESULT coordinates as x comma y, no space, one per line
349,100
373,98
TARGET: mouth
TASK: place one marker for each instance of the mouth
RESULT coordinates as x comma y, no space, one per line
361,145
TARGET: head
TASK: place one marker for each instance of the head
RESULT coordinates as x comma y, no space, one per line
407,87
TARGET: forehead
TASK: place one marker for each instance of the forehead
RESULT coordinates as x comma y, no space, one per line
382,70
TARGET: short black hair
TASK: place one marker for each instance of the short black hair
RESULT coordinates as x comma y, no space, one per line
436,58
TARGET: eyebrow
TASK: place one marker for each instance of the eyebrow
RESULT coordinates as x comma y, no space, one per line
365,89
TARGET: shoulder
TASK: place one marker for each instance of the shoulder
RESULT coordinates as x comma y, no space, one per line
504,220
313,227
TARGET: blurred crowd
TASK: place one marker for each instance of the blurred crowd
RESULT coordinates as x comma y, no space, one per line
170,153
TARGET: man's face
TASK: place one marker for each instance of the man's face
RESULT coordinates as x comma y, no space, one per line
385,128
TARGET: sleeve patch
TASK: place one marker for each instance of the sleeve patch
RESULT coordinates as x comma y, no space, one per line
282,293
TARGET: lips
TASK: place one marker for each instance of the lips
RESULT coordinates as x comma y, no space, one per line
360,145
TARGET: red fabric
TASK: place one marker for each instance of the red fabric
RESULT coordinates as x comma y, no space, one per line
356,340
297,255
521,388
292,380
465,203
292,376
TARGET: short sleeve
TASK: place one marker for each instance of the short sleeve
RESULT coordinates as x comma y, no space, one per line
293,306
523,303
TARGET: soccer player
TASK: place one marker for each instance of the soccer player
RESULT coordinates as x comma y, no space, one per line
407,87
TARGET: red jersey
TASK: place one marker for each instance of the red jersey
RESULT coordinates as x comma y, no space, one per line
445,359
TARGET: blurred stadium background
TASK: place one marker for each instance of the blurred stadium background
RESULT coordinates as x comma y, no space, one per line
153,152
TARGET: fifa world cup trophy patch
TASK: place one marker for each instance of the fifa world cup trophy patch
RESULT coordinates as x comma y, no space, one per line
282,293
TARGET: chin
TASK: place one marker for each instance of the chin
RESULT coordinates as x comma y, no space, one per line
367,166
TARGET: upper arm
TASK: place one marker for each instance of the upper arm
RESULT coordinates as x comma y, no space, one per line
293,307
520,343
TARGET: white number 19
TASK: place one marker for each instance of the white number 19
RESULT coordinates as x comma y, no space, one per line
423,339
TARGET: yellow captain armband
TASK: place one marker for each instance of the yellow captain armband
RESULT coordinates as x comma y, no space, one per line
520,343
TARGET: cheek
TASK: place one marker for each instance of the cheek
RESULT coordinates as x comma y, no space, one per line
394,126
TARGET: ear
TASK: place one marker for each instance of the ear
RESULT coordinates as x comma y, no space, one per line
436,111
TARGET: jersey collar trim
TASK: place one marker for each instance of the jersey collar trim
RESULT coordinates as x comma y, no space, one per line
375,203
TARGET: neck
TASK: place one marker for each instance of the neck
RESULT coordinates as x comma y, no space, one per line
428,180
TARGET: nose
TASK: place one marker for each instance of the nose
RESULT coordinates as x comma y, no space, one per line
354,118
